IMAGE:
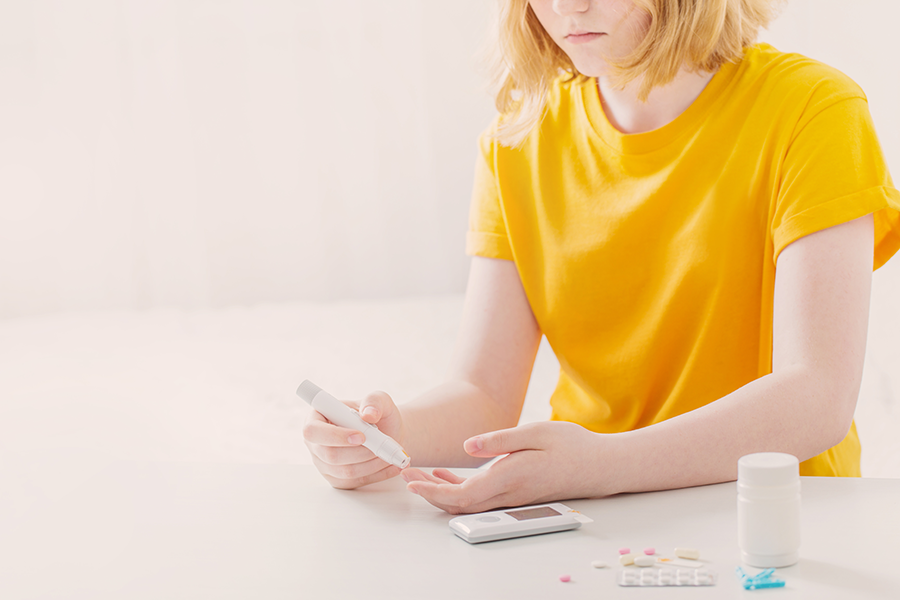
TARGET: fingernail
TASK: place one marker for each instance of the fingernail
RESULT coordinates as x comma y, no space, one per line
355,439
370,411
479,443
414,491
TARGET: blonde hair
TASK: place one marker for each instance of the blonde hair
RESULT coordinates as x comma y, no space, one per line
701,35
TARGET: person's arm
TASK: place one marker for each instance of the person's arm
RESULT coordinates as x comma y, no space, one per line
491,367
484,391
804,407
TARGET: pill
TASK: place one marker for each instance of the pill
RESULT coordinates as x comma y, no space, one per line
690,553
649,551
643,560
565,578
599,564
626,559
624,550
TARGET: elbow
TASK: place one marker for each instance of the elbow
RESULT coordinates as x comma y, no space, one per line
838,431
824,402
835,411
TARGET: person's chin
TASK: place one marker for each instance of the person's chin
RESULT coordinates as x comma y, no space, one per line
592,69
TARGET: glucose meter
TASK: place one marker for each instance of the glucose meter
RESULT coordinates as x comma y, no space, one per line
517,522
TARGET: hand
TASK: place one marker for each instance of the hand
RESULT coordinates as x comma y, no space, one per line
548,461
338,453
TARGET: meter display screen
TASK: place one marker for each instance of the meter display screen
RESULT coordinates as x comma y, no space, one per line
532,513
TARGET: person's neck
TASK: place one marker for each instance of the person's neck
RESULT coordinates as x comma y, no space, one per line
628,114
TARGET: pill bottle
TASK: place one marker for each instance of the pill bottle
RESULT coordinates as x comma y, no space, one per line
768,490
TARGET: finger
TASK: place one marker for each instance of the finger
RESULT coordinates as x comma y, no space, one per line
340,455
467,496
377,406
320,431
504,441
344,484
448,476
505,484
350,472
314,414
412,474
425,491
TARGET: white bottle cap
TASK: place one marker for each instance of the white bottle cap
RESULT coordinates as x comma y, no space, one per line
768,469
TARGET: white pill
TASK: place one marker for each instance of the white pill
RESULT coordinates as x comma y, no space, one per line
599,564
689,553
643,560
627,559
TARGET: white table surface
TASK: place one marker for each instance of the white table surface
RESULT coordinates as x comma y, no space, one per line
75,530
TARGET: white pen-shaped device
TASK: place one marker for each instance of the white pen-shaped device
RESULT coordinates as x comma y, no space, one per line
384,447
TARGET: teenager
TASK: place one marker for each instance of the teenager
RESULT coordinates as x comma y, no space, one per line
691,219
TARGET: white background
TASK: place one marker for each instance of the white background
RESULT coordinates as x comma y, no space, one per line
211,158
206,153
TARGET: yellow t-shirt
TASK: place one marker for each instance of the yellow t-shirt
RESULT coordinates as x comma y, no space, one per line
649,259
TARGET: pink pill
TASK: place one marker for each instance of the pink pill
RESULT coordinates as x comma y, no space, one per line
649,551
565,578
624,550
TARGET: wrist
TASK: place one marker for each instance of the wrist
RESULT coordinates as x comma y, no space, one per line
612,459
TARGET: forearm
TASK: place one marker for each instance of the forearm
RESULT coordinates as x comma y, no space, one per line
796,411
436,424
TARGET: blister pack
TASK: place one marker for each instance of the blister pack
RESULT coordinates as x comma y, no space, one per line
656,577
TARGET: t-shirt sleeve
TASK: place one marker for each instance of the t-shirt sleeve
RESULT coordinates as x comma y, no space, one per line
834,172
487,234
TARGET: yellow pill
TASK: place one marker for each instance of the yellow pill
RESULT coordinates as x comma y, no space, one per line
689,553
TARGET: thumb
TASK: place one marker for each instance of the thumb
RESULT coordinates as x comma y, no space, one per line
377,407
502,441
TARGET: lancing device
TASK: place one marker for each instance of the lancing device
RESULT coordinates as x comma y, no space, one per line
337,412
